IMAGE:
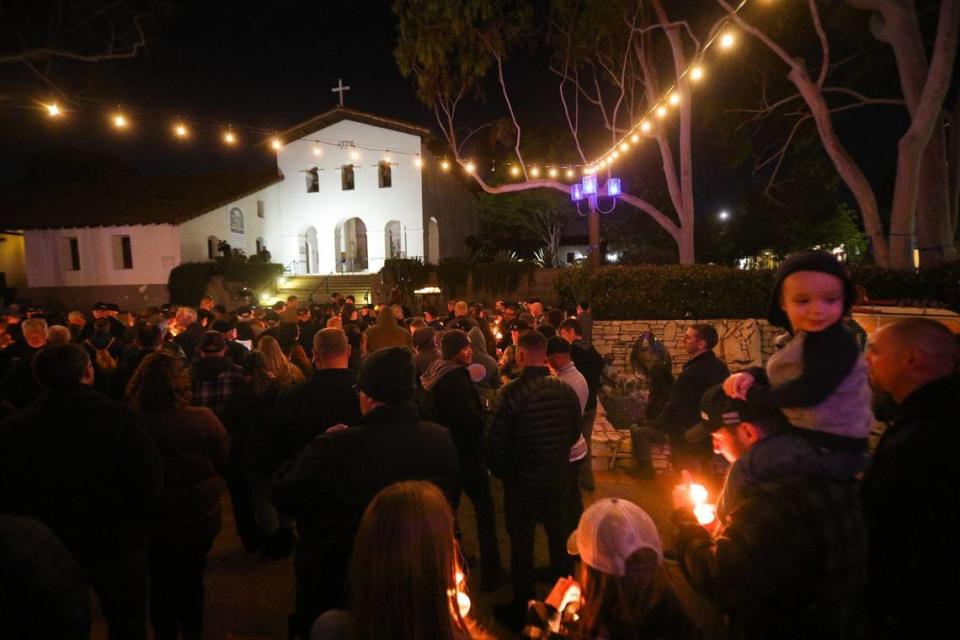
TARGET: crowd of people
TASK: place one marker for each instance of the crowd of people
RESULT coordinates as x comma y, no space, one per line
346,435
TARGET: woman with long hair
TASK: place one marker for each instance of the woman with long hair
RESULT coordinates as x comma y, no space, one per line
194,445
250,415
405,577
278,365
623,591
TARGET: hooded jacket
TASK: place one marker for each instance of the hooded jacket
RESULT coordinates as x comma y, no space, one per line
480,356
425,343
387,333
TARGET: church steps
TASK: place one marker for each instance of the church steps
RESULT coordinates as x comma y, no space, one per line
362,286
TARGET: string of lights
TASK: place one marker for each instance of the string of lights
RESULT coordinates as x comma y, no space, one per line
182,129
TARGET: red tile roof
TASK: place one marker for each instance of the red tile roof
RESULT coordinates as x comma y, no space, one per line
127,201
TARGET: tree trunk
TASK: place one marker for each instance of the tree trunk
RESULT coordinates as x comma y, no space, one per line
593,223
934,229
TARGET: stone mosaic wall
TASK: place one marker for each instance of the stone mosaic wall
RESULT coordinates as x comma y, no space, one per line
743,343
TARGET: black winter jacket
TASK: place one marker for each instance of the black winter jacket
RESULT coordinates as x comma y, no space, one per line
306,410
683,409
911,502
536,423
588,362
332,482
454,403
84,466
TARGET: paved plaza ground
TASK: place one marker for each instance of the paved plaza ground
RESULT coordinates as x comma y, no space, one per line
248,598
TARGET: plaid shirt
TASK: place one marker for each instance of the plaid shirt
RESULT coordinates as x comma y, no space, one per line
213,381
791,562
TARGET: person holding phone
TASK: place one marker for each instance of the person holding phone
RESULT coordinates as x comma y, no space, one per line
622,591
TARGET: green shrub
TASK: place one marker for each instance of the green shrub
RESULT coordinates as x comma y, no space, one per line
409,273
452,275
254,275
188,282
653,292
500,276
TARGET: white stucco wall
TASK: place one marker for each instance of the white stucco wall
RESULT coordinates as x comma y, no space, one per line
330,206
194,233
155,250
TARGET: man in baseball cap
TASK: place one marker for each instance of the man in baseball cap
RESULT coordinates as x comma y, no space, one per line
787,557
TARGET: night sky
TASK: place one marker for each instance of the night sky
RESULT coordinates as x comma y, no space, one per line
272,66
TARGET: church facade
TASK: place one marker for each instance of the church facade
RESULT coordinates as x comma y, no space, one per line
350,190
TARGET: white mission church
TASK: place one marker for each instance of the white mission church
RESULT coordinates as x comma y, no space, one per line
349,192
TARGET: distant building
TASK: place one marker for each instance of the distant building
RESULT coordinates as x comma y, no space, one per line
346,195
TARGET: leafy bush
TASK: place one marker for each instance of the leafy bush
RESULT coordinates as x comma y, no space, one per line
408,273
500,276
188,282
452,275
255,275
655,292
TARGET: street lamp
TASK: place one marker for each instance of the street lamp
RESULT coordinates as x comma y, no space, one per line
587,190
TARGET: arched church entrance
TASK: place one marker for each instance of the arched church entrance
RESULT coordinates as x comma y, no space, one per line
350,239
393,237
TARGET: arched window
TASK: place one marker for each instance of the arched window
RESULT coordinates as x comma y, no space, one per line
346,177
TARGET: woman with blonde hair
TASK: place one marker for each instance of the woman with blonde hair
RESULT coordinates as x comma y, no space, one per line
405,577
285,372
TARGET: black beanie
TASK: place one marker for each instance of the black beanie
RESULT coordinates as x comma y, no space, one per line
809,261
389,375
452,342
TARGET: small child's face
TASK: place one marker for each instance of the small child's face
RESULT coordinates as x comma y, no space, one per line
812,300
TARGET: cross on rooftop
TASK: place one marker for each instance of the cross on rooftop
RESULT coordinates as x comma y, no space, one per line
340,89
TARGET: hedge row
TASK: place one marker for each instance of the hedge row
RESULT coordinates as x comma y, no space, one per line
655,292
497,278
188,281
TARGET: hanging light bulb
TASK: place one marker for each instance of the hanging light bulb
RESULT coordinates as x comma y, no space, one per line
589,170
727,40
696,73
570,173
119,120
445,165
534,172
514,170
635,138
230,137
645,126
624,147
53,110
317,150
470,167
276,144
614,155
661,111
553,172
674,99
181,131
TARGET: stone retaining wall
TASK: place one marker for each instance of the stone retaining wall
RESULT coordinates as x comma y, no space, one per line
743,343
